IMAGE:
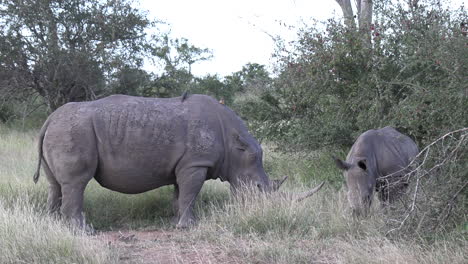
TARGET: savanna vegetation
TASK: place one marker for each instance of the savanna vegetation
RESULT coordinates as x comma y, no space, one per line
398,63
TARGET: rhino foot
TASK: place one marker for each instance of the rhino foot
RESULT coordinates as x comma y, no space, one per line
185,224
84,229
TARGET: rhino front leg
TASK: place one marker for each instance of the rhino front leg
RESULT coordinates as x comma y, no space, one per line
175,204
190,182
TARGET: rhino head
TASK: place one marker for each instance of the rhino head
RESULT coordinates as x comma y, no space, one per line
246,169
245,165
360,183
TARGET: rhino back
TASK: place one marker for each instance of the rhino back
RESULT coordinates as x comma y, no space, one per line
386,150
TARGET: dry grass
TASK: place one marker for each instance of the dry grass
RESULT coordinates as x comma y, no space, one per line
31,237
27,235
318,230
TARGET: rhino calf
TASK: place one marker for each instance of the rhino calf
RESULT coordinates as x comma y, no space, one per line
376,161
133,145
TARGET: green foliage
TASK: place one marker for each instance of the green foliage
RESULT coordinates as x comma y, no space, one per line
6,113
179,54
65,50
331,86
252,78
131,81
82,50
213,86
24,114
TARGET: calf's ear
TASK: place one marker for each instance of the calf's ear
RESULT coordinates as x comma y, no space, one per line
341,164
362,164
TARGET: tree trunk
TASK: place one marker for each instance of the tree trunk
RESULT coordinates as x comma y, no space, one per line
365,20
347,12
364,14
365,17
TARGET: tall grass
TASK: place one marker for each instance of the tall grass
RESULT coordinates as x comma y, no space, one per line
265,229
18,157
27,234
31,237
303,167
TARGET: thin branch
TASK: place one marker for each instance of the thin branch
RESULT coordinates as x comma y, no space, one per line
448,154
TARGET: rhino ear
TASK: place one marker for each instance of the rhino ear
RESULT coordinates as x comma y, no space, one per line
341,164
240,142
362,164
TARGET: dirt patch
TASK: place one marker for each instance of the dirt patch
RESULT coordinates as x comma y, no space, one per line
171,246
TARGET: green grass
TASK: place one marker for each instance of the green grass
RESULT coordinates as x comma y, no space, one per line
254,228
303,167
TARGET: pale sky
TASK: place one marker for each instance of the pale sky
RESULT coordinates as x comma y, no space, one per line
237,31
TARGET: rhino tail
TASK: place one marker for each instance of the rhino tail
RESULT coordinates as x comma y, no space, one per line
40,143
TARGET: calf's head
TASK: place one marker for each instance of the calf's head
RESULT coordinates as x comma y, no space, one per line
360,183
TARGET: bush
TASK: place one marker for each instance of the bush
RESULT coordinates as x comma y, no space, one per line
437,199
331,86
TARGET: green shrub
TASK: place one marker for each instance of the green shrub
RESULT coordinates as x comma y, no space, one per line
437,198
330,87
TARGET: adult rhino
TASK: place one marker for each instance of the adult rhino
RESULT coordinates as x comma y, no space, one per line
378,161
133,145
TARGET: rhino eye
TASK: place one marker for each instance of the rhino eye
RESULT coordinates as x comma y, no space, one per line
362,164
252,156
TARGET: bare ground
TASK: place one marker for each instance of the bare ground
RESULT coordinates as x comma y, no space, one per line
170,246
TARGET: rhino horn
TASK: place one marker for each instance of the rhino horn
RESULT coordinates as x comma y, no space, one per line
276,184
307,194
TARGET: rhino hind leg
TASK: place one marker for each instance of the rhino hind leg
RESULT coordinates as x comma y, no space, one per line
190,182
54,198
73,174
72,203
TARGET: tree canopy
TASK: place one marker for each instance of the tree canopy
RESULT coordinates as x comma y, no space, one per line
77,50
65,50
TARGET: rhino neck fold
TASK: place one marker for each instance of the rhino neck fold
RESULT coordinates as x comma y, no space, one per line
222,172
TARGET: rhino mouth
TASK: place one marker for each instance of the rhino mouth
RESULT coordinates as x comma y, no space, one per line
249,185
364,209
360,212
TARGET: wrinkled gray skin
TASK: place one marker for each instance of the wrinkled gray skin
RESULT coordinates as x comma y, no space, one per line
133,145
374,155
